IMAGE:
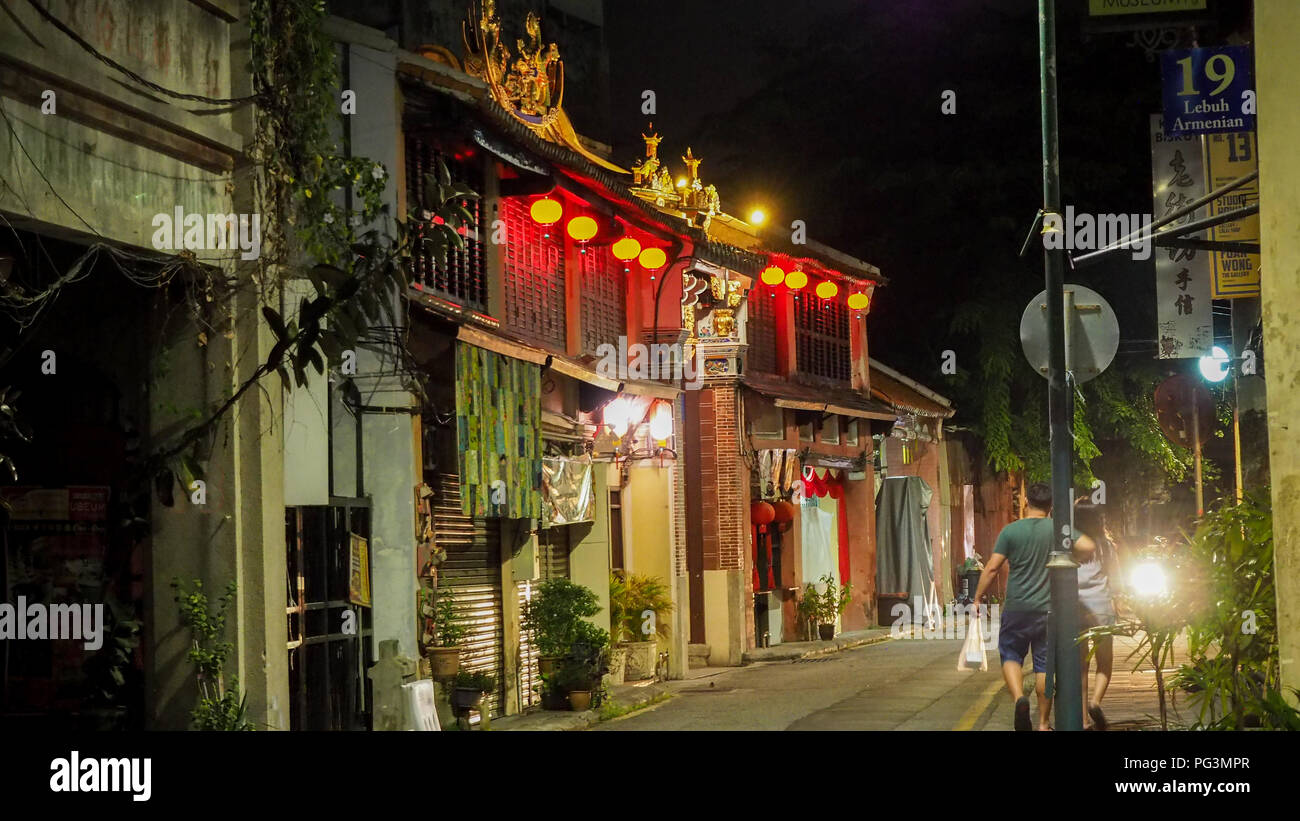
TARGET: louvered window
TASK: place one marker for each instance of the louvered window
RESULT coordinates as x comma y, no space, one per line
534,273
461,276
760,330
604,298
822,338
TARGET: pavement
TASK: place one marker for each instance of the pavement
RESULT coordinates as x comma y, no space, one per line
859,681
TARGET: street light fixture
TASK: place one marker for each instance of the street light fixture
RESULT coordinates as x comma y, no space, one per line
1215,367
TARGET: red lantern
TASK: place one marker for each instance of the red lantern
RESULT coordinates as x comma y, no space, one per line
761,514
784,512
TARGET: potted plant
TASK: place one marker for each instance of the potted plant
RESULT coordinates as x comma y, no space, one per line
444,656
575,678
467,690
823,607
832,603
808,607
554,616
639,608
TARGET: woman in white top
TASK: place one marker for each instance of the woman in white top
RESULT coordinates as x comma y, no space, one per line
1096,608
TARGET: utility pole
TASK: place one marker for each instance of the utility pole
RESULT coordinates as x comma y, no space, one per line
1062,568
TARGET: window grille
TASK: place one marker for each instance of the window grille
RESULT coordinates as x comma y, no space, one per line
462,278
534,274
760,331
604,299
822,338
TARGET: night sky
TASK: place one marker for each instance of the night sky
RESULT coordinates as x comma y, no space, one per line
830,112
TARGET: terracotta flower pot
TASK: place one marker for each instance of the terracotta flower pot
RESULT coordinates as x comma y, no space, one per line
580,700
444,661
546,664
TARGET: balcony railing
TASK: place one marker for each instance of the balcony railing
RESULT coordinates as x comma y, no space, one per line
460,278
822,347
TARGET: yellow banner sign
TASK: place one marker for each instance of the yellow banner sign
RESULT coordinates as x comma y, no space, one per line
1102,8
1229,157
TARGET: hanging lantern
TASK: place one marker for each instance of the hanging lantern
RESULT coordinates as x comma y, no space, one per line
626,249
761,514
772,275
583,228
859,301
546,211
784,512
653,259
618,417
827,289
661,424
796,280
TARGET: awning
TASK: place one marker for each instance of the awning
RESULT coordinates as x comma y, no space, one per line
568,367
906,395
830,400
505,347
653,389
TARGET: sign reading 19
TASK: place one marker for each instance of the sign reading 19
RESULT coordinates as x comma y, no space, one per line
1223,76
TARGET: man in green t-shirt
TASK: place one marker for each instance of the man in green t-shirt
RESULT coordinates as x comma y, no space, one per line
1024,546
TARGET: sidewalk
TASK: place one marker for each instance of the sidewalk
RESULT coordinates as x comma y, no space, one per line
623,695
1131,701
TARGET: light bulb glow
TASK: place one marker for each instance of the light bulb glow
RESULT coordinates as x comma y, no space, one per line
1148,580
1215,366
661,424
617,416
757,217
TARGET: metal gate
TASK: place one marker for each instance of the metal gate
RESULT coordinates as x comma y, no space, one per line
329,636
472,574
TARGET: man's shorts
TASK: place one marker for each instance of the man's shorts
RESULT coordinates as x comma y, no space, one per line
1018,632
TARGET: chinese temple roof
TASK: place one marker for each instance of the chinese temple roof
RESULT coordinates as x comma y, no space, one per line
520,94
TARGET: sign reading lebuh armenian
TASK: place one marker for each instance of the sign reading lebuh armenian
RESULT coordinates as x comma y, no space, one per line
1207,90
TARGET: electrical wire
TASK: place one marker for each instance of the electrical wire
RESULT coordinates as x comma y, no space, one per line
116,66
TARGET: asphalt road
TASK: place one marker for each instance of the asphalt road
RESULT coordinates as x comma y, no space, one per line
902,684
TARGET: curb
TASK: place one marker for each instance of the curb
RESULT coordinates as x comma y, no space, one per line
834,646
555,721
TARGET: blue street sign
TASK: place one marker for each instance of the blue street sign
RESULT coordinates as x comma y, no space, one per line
1208,90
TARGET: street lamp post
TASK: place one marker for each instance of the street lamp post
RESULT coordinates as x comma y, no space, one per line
1062,567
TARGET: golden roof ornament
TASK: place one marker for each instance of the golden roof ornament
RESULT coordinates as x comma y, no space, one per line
529,83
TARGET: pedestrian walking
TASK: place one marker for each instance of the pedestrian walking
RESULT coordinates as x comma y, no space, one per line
1096,607
1024,546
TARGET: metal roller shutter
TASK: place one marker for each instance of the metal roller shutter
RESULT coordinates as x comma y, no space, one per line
472,572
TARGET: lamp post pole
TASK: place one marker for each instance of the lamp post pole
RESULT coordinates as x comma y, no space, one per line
1061,566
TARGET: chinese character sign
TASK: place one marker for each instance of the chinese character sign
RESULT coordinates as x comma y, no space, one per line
1184,324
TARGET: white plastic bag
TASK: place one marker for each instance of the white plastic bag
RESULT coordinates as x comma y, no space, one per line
972,650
